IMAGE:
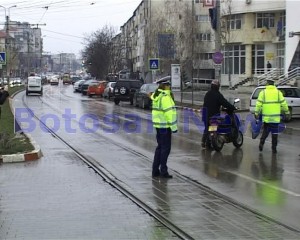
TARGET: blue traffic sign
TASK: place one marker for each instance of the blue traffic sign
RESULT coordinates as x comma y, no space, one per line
3,58
218,57
154,64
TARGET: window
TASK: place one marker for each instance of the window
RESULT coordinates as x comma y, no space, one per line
258,59
234,59
234,21
203,36
204,56
197,1
202,18
281,24
265,20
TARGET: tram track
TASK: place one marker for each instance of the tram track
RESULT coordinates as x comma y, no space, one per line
114,182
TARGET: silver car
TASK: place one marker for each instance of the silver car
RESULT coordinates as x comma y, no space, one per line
108,91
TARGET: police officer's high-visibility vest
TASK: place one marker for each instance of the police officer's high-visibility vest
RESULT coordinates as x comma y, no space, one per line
163,110
269,103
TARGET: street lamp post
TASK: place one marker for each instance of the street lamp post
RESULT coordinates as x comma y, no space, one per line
7,35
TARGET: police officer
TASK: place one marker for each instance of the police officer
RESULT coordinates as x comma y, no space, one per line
164,118
213,100
269,103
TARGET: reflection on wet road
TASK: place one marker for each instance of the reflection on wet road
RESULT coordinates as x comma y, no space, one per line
265,182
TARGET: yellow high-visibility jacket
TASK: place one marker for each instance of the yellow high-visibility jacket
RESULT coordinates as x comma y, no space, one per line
270,103
164,113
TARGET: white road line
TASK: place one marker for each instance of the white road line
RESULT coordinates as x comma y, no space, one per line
265,183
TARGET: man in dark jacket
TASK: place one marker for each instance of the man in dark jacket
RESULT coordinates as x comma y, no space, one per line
3,95
213,100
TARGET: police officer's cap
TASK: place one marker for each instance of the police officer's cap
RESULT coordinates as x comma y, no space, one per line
164,80
270,81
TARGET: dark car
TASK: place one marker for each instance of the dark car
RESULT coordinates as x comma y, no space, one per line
86,84
141,97
124,90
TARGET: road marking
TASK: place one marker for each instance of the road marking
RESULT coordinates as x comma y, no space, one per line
265,183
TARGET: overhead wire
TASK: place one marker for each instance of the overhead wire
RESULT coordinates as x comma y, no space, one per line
31,8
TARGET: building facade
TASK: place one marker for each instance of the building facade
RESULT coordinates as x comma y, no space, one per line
254,37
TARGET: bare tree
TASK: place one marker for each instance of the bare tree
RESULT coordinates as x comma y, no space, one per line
98,51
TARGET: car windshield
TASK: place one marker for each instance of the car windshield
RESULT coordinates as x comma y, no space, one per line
256,93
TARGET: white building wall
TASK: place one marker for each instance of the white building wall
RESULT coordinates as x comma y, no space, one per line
241,6
292,24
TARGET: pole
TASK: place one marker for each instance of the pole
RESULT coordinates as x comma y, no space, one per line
6,45
193,42
218,44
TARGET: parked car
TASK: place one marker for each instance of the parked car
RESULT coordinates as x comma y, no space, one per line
86,84
141,97
291,95
15,82
77,85
74,79
54,80
124,90
108,91
96,89
34,85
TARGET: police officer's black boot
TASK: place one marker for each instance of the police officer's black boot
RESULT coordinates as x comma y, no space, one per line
261,145
274,143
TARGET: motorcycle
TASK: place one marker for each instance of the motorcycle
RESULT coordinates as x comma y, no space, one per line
225,129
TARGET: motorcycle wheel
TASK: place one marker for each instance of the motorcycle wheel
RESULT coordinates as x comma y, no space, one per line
238,141
217,142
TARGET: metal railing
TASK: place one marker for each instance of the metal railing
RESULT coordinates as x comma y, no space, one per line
273,73
290,77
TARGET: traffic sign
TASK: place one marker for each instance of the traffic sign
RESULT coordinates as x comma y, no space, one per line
218,57
153,64
3,58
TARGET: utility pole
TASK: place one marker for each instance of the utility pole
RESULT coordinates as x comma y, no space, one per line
7,37
218,43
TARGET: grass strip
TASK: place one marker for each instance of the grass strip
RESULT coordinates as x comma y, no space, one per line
11,143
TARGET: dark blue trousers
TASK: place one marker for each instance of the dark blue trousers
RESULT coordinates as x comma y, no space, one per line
163,149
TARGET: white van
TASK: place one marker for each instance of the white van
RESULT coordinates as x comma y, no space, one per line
34,85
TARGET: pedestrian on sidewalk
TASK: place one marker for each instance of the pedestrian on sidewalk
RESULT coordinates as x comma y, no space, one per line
164,118
269,103
213,100
3,95
269,66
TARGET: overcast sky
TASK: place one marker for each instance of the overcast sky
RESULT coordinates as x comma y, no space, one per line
68,21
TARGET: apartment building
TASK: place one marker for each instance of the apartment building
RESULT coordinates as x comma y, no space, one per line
23,49
174,31
255,33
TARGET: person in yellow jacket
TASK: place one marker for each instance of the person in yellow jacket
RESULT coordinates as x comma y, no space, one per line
270,103
164,119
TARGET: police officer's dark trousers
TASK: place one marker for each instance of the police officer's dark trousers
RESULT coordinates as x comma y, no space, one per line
273,128
163,137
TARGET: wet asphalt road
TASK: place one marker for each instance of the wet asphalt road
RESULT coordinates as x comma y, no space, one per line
267,183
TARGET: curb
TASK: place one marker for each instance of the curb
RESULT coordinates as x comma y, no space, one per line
23,157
